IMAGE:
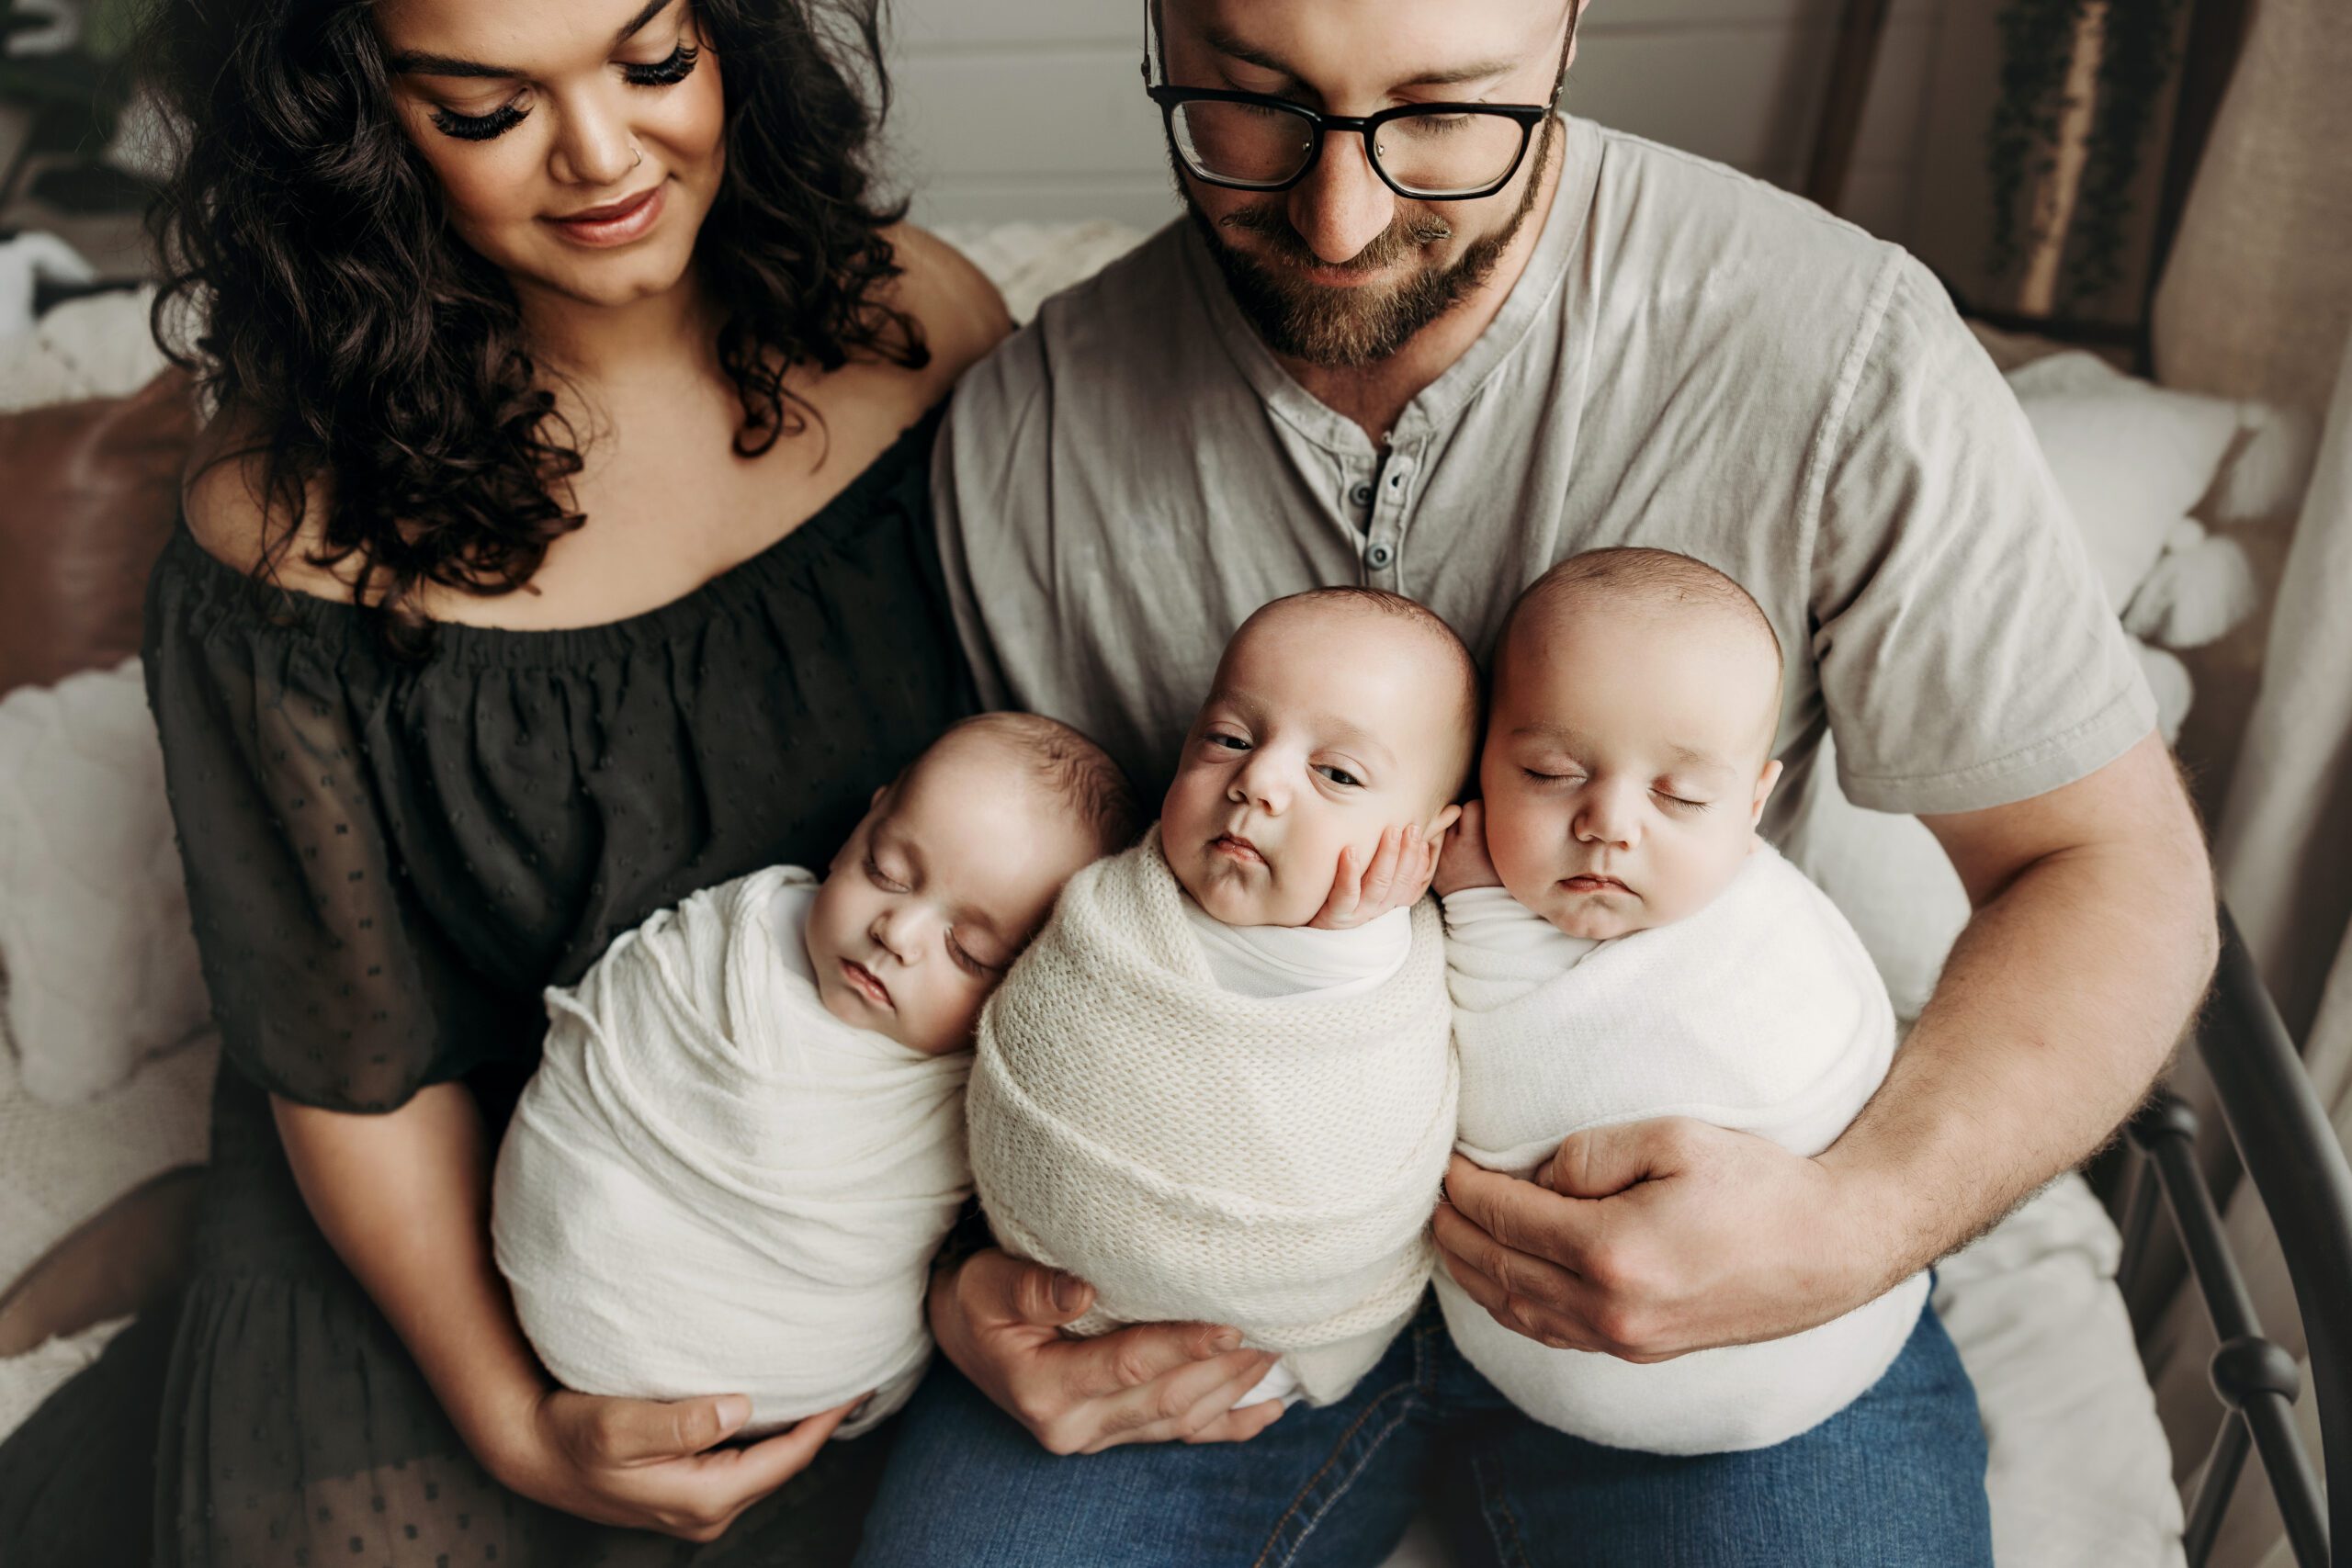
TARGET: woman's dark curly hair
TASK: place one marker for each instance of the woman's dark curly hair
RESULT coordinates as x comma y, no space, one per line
361,343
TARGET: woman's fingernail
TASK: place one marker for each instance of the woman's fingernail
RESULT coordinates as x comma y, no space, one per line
733,1411
1065,1293
1225,1339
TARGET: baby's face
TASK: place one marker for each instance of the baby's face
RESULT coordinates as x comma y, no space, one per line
945,882
1625,765
1326,725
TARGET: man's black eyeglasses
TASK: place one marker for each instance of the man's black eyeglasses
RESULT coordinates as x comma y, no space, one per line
1422,152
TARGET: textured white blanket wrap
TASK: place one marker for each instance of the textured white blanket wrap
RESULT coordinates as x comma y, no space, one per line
713,1186
1271,1164
1761,1012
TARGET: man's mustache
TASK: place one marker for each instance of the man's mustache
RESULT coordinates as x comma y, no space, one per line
1399,239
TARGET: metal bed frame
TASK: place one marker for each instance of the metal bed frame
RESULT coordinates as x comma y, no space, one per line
2298,1168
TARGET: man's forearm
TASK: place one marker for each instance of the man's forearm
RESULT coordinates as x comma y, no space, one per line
2059,1004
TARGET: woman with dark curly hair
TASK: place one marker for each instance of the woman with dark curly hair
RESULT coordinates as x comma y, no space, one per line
559,545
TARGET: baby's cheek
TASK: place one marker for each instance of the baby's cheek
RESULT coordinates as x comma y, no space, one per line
1516,846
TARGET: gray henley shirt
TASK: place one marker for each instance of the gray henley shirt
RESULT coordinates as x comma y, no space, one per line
1692,360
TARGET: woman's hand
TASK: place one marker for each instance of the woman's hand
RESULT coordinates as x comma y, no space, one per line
1394,878
1000,1318
655,1465
1464,862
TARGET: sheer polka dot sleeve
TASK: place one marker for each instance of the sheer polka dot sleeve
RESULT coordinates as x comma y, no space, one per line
331,984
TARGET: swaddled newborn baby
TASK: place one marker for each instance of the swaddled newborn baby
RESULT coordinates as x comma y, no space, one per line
1187,1094
745,1138
1626,947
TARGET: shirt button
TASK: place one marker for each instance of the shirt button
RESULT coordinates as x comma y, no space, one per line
1360,495
1379,556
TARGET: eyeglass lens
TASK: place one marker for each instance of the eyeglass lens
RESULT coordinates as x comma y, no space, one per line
1427,154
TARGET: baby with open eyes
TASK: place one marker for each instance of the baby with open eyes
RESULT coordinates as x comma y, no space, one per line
1190,1091
745,1139
1622,945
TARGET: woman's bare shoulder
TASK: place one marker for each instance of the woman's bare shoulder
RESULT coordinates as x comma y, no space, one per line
960,311
224,497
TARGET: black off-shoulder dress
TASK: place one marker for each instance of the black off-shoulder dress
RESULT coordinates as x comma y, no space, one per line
387,861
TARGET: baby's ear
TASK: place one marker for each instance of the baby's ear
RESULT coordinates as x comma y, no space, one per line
1764,783
1445,819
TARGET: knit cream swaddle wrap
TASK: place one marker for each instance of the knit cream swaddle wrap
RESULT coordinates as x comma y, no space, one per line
1271,1164
1761,1012
715,1186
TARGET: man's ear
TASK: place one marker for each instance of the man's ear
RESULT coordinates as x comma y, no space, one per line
1764,783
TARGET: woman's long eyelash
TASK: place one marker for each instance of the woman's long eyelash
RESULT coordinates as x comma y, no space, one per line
506,116
664,72
478,127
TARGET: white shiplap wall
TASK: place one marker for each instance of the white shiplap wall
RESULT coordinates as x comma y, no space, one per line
1735,80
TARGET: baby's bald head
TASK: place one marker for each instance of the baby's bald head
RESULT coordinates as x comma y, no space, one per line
1076,778
1629,741
1338,717
1444,700
1670,593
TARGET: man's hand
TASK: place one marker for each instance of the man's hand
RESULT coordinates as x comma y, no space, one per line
1000,1319
1651,1239
1462,862
1395,878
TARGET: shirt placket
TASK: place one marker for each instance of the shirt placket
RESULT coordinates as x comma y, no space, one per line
1392,489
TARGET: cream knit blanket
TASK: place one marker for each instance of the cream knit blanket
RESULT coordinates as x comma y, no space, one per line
1760,1012
1271,1164
713,1186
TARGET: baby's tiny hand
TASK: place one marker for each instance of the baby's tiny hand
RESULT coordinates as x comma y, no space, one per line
1395,878
1462,862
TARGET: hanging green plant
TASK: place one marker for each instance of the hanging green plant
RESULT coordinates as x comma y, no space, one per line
2135,70
2138,51
2037,43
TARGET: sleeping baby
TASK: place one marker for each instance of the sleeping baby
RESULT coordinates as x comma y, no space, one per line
746,1138
1187,1093
1623,946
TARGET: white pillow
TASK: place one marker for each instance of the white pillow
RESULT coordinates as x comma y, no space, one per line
98,346
1030,263
2202,586
2130,458
100,966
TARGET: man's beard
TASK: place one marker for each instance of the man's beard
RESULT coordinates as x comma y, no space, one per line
1348,328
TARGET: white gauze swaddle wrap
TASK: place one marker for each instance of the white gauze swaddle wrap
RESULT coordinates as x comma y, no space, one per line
1267,1162
1760,1012
713,1186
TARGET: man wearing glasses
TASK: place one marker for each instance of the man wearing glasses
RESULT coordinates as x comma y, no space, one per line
1420,333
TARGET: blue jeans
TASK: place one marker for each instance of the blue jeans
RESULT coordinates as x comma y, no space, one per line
1895,1478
